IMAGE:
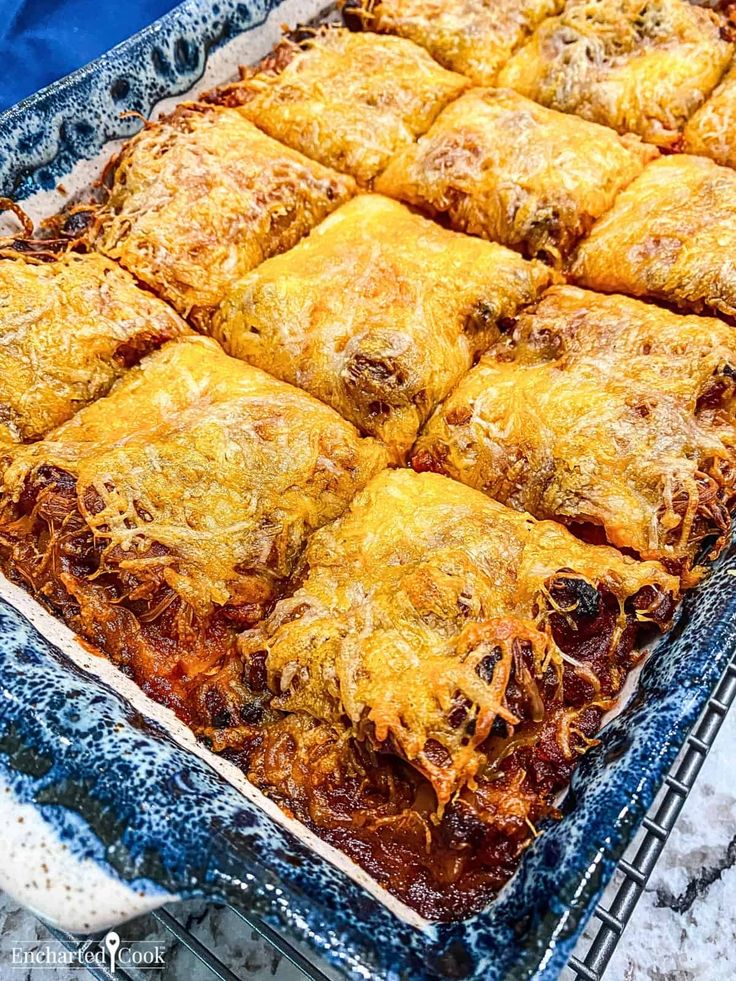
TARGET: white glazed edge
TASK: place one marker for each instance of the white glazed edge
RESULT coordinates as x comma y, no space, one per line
40,872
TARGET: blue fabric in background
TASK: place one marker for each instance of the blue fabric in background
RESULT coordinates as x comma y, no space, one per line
41,40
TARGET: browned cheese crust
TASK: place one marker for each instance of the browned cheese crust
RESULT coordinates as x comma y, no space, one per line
175,508
348,100
403,599
379,313
613,414
671,235
474,37
69,328
640,66
435,626
201,197
712,130
502,167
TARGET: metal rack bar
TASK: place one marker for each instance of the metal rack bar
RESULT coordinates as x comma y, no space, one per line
285,948
657,827
195,946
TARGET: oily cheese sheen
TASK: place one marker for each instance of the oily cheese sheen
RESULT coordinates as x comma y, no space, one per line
497,165
349,101
68,329
422,304
639,66
670,236
402,601
474,37
201,197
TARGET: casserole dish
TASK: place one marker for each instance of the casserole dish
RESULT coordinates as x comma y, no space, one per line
114,796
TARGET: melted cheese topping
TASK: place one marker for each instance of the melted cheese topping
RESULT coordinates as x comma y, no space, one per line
205,467
504,168
474,37
640,66
349,100
712,130
68,329
414,603
674,354
671,235
378,312
587,441
201,197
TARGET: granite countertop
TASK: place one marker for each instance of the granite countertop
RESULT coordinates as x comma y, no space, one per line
683,928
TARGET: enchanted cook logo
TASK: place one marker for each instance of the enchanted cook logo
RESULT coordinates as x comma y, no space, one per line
111,952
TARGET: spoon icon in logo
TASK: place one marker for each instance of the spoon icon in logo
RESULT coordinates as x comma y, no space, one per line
112,942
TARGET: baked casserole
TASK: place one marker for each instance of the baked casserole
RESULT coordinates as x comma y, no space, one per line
375,419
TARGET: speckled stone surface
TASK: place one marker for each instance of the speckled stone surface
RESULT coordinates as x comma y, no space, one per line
683,928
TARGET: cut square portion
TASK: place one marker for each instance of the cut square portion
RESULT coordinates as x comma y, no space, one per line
379,313
423,615
671,235
691,357
348,100
69,328
507,169
712,130
201,197
163,516
640,66
474,37
629,429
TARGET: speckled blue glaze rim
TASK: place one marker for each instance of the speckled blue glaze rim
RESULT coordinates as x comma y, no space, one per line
85,759
42,137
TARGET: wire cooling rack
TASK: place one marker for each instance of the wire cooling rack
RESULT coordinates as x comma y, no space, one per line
638,863
173,926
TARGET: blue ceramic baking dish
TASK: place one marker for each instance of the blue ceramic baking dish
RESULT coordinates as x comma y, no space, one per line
110,808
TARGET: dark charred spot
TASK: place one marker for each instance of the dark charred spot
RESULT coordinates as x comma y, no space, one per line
77,222
461,826
459,712
300,35
499,728
379,371
484,668
576,595
379,410
131,351
481,319
217,709
352,15
251,713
